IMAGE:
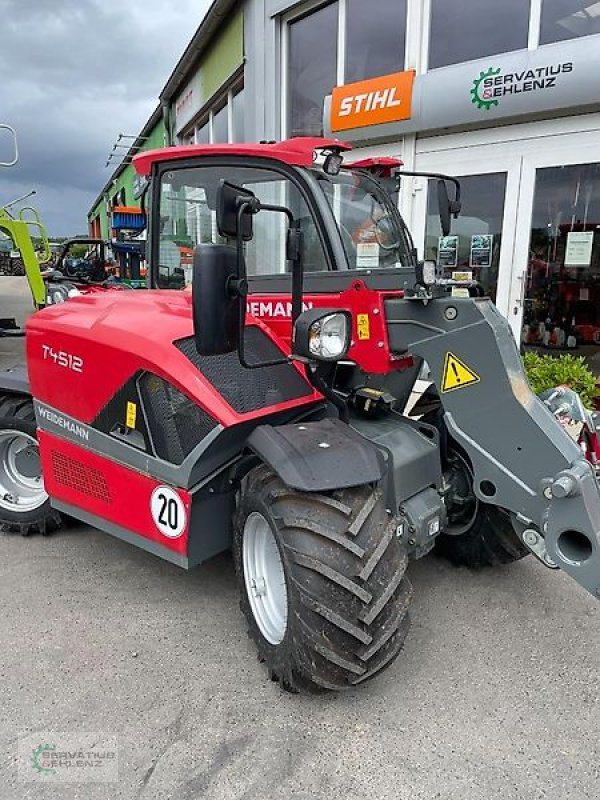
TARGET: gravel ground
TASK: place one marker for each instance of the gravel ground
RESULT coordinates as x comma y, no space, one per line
494,695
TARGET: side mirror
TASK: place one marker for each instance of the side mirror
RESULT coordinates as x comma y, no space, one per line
229,199
217,299
448,208
444,207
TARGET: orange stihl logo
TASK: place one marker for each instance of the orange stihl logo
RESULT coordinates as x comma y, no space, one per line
372,102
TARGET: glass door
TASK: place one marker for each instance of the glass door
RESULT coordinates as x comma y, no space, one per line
557,292
475,242
482,238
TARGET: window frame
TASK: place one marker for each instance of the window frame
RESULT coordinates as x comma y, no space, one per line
296,176
205,116
533,33
305,10
571,39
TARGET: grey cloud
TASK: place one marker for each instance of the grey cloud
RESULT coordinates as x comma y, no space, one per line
75,73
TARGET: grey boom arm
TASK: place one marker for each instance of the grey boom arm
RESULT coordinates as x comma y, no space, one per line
522,458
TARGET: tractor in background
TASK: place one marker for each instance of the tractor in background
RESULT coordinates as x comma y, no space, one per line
84,265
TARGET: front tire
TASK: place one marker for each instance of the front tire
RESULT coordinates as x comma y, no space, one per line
24,505
322,582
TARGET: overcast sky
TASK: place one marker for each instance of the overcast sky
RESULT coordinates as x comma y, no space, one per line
74,74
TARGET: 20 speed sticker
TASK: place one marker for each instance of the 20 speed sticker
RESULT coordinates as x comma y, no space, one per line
168,512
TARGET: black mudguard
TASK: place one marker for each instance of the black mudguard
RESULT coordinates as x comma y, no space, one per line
318,456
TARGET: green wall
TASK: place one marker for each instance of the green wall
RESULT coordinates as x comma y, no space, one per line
223,57
126,180
219,62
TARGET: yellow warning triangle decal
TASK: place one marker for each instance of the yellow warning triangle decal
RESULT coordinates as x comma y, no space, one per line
456,374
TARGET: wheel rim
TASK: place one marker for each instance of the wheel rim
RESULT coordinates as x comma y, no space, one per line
21,485
264,578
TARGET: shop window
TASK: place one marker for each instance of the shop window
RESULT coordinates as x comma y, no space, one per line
203,133
568,19
375,38
238,134
220,127
476,236
312,69
463,30
562,290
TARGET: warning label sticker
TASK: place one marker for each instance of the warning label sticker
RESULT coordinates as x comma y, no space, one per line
131,414
363,327
456,374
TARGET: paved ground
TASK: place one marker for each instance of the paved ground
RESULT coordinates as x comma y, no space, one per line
495,694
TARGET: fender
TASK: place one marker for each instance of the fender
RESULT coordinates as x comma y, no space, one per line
15,380
318,456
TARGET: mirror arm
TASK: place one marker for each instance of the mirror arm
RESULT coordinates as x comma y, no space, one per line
440,176
297,266
297,274
246,207
317,379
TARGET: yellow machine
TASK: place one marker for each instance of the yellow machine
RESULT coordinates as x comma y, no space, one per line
19,229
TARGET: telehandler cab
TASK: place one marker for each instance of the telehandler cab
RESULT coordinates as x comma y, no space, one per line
263,410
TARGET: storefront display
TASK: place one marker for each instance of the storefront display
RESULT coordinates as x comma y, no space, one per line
562,293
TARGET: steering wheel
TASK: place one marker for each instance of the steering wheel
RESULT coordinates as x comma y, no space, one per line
384,226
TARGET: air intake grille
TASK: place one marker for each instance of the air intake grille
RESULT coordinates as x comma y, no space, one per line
176,424
76,475
249,389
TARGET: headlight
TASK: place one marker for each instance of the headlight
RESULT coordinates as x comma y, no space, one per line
56,295
59,293
322,334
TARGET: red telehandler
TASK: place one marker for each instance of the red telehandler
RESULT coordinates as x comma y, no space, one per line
263,409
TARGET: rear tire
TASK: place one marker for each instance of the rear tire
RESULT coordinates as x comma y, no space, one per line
342,614
490,541
483,534
24,506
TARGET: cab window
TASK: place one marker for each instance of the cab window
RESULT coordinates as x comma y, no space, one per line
188,218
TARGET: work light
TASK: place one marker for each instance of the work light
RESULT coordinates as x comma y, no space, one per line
322,334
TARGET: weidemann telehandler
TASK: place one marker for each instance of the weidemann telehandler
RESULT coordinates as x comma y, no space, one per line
179,422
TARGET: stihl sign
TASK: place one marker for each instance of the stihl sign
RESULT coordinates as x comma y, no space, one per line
372,102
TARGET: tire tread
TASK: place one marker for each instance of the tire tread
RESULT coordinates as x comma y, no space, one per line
347,587
18,411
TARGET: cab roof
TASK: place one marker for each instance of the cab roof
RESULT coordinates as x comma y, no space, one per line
298,151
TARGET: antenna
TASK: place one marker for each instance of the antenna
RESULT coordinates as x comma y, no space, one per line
19,199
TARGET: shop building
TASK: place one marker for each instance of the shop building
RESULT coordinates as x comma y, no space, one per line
503,95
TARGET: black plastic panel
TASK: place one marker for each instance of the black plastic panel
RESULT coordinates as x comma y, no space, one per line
249,389
114,414
176,424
